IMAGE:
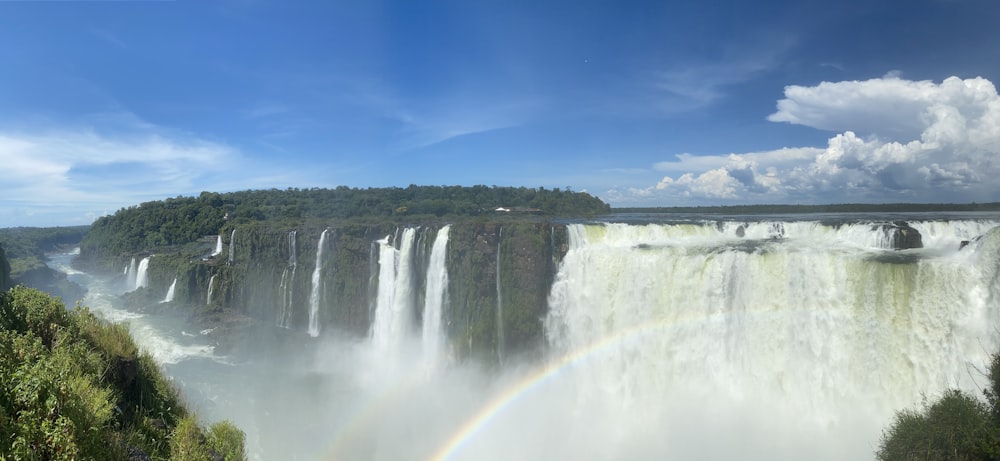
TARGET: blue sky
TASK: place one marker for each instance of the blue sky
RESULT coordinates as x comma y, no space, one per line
109,104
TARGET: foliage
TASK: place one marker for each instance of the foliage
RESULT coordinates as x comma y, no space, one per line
26,246
5,282
222,441
74,387
227,440
182,220
958,426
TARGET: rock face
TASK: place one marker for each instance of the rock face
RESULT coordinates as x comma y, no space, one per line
900,236
499,275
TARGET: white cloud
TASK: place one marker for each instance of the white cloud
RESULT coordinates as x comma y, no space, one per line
72,174
926,142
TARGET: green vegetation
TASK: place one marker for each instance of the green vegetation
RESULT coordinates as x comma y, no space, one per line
958,426
5,281
25,248
182,220
75,387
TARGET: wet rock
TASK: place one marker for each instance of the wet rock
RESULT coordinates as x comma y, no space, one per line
900,236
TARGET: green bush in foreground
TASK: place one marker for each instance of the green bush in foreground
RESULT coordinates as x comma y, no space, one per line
73,387
958,426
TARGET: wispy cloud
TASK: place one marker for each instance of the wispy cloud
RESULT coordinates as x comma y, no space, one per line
78,171
425,129
108,36
692,84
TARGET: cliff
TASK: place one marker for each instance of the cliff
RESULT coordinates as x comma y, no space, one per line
325,261
499,273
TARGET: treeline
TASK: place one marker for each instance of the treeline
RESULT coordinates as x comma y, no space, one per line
75,387
25,247
184,219
834,208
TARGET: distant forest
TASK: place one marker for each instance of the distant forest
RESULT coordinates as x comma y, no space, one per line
836,208
25,247
184,219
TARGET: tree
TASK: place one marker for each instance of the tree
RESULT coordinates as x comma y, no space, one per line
957,426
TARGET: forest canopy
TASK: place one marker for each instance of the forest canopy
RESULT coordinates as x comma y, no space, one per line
184,219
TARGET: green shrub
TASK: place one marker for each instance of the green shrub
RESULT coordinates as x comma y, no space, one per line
188,442
958,426
74,387
228,441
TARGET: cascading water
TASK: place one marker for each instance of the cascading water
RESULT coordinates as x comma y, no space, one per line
395,303
287,285
501,337
218,246
317,282
130,275
211,288
817,335
170,292
232,247
436,298
373,272
141,280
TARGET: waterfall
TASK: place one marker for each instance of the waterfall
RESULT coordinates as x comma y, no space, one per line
211,287
141,281
395,303
373,272
218,246
436,298
501,338
170,292
232,247
814,335
317,282
130,275
287,286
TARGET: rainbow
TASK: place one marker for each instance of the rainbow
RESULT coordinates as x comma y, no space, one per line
535,380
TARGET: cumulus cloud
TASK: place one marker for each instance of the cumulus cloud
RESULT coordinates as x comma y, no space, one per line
919,140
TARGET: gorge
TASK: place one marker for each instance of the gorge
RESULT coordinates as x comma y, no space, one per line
493,334
632,336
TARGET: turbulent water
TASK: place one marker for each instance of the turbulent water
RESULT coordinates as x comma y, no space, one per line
745,338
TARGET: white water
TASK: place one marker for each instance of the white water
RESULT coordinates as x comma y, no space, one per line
218,246
695,343
396,297
317,282
170,292
435,299
501,337
141,280
287,285
232,247
130,275
159,338
680,342
211,288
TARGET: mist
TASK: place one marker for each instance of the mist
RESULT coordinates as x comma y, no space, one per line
695,344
